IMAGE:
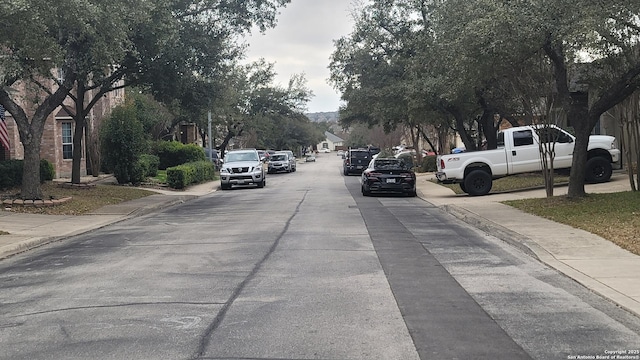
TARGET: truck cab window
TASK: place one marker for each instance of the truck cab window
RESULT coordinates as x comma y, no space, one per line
523,137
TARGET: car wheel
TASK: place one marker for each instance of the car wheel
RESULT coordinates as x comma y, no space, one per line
365,191
598,170
412,193
463,188
225,186
478,182
262,183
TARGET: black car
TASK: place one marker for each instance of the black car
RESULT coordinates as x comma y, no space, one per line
388,175
355,161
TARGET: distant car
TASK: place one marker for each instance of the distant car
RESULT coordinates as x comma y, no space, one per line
279,162
340,153
310,158
325,150
242,167
355,161
388,175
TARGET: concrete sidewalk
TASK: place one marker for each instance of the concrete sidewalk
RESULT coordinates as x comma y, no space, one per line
589,259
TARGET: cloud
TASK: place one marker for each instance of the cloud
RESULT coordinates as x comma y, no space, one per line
302,42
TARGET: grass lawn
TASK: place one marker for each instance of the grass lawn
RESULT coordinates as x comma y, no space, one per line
613,216
84,200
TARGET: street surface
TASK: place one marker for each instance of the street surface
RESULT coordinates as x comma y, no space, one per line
305,268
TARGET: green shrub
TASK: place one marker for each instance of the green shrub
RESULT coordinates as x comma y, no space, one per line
123,142
47,172
408,159
429,163
181,176
11,172
149,164
174,153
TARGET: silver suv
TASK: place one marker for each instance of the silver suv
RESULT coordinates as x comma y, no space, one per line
242,167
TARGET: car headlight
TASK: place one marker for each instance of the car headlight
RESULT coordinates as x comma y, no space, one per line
224,171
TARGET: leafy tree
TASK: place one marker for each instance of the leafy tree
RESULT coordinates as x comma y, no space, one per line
564,32
123,142
252,103
103,46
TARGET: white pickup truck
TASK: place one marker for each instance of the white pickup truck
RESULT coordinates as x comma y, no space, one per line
518,152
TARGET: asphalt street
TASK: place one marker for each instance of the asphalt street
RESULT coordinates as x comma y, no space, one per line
305,268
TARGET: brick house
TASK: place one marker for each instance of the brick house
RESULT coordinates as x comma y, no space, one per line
57,136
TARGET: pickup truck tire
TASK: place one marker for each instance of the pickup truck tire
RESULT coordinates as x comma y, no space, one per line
598,170
225,186
477,183
463,188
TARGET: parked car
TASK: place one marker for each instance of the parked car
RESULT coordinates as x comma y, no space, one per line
518,152
279,162
310,158
340,153
292,159
324,150
355,161
242,167
388,175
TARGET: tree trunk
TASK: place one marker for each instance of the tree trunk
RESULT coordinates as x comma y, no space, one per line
459,118
31,189
78,134
579,161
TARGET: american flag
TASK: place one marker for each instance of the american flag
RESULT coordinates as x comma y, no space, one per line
4,135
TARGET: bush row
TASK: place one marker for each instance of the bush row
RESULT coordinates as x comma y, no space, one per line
11,172
181,176
174,153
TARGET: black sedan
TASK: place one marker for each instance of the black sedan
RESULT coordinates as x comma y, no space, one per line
388,175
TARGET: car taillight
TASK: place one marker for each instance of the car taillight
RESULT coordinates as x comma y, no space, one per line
441,164
406,175
372,174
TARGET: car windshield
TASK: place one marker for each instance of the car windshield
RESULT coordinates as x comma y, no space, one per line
242,156
278,157
389,164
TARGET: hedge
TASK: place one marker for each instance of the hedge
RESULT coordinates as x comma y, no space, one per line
181,176
174,153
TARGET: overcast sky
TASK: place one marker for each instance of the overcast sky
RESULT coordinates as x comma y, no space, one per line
302,42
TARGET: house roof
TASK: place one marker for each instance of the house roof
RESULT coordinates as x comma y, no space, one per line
333,138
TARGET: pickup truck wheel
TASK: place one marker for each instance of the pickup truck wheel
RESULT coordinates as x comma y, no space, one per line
477,183
463,188
598,170
225,186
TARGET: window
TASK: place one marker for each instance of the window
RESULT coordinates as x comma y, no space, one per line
523,137
67,141
549,134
